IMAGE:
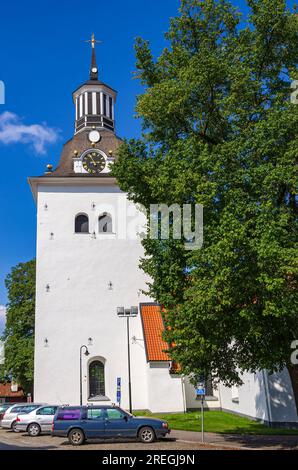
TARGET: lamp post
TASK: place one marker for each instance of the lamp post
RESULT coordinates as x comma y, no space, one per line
81,385
128,313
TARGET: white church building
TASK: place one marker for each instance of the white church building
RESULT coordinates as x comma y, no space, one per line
89,282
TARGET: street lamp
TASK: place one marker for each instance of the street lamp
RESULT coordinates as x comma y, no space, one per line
128,313
81,386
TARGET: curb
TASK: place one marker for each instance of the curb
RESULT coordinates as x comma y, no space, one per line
213,444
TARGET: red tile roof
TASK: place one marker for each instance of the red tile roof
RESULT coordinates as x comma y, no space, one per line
153,328
5,391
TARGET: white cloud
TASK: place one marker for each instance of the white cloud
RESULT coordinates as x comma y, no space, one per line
2,312
13,130
2,318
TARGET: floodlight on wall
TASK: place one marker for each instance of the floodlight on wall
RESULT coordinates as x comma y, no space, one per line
47,288
134,339
90,341
127,312
46,342
110,285
120,311
134,311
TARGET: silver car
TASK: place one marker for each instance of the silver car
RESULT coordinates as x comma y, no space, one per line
9,419
37,421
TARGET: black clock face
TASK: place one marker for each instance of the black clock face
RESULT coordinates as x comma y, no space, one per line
93,162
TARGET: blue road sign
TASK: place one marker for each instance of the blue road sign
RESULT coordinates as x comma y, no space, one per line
200,390
118,394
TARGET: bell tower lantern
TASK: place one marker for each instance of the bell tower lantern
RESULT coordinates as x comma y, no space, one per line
94,100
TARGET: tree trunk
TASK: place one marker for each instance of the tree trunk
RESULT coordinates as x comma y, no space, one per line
293,372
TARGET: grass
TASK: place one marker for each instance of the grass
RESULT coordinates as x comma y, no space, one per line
217,421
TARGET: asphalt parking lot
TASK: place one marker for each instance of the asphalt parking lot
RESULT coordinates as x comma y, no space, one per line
21,441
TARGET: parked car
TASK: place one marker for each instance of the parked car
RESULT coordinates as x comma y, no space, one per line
81,423
9,419
3,408
37,421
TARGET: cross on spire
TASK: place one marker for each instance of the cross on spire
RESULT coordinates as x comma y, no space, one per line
94,68
93,41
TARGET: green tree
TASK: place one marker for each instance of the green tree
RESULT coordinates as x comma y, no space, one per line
220,130
19,330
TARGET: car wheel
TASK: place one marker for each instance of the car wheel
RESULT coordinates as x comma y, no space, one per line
146,435
13,426
76,437
33,429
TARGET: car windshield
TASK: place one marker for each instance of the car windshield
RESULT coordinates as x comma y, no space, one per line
4,407
126,412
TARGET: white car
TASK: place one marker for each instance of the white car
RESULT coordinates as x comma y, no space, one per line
37,421
9,419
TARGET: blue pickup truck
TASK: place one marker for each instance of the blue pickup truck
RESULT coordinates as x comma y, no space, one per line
80,423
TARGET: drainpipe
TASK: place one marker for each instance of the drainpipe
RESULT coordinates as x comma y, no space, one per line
183,393
267,396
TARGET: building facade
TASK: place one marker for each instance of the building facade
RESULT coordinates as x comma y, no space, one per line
88,252
265,397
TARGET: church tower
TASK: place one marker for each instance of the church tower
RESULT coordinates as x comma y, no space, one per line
88,253
94,100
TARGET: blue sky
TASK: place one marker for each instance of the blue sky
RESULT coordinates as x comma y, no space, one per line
43,59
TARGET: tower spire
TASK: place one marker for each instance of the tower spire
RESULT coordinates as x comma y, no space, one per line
93,68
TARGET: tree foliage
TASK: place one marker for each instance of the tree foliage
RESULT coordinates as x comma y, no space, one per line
19,330
220,130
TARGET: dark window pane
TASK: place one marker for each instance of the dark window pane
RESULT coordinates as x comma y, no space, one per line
98,103
47,410
24,409
104,104
81,224
104,223
113,413
111,107
69,414
89,95
95,413
96,379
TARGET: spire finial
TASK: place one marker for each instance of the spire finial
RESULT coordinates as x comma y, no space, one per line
93,69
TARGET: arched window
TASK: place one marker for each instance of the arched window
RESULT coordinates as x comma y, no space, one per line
96,379
105,223
81,224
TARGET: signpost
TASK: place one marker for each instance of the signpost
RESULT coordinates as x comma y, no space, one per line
201,392
118,394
